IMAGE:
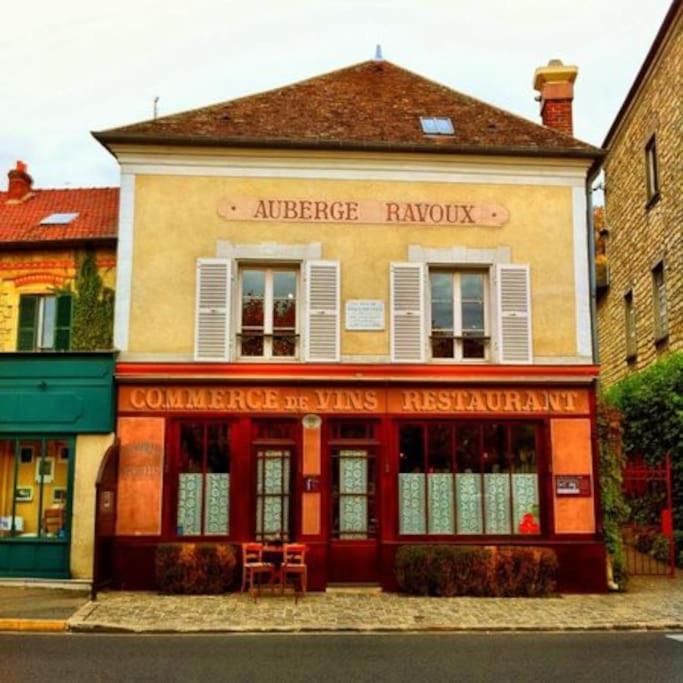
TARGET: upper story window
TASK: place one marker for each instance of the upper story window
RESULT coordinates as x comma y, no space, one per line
44,322
630,316
459,314
268,318
652,170
660,305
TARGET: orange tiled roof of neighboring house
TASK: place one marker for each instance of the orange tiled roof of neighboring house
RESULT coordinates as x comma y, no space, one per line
22,209
374,105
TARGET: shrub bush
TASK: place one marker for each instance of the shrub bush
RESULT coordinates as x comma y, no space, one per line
652,405
447,570
195,568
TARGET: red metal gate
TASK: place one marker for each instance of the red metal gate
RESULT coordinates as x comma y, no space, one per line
648,535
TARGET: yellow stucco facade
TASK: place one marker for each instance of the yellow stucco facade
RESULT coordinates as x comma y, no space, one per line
41,271
176,221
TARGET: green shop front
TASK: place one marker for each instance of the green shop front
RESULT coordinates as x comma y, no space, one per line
56,422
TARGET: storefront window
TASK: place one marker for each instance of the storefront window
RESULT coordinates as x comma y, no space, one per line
34,480
204,480
468,479
272,493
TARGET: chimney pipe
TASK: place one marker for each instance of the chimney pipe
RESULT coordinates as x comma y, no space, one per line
555,82
20,184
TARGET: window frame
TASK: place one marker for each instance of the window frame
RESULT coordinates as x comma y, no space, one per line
630,327
659,302
39,319
269,268
651,172
542,476
458,337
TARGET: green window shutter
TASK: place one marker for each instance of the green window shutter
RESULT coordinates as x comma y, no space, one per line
28,320
63,323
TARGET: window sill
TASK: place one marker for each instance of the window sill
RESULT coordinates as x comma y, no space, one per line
654,199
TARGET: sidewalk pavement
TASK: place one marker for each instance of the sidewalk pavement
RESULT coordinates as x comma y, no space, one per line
649,604
25,608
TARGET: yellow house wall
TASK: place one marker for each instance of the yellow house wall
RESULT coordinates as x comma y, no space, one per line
90,450
179,213
53,268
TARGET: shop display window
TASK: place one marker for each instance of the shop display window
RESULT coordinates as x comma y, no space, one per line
203,506
468,479
34,486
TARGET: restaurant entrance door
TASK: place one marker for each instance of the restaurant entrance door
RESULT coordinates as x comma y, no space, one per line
352,453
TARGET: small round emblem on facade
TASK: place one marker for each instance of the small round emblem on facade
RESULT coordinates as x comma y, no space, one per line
311,421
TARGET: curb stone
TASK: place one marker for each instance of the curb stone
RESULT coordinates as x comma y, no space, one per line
33,625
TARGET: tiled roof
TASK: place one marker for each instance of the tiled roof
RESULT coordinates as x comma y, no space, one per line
97,218
372,105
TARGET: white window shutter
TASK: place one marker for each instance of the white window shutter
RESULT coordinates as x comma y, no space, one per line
514,313
407,313
322,311
212,310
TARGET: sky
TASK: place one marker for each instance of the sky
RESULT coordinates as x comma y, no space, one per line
73,66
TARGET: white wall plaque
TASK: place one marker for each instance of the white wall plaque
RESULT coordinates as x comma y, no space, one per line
364,314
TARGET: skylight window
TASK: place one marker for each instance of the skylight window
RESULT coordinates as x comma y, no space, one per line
436,125
58,219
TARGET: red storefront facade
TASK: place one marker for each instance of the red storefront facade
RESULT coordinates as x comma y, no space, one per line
366,459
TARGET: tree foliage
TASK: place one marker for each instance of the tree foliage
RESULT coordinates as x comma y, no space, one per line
93,311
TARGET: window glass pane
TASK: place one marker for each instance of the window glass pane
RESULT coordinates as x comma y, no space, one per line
7,469
251,345
524,480
190,489
353,494
661,317
440,484
473,348
442,347
47,335
55,480
411,481
254,283
284,345
216,513
468,480
31,471
442,301
472,294
284,300
472,287
496,480
472,317
272,494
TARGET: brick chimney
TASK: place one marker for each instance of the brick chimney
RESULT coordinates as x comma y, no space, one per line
555,82
20,184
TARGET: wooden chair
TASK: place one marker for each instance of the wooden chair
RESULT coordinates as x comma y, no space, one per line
253,567
294,565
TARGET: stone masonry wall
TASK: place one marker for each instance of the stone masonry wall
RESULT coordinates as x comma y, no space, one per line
640,237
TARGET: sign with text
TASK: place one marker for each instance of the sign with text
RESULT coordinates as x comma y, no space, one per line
574,485
246,399
364,315
291,210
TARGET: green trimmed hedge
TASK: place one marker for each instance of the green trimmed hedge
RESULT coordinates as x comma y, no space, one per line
195,568
450,570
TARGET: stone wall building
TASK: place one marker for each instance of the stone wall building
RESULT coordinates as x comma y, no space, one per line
640,303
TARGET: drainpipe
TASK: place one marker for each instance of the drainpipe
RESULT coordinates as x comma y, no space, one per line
592,175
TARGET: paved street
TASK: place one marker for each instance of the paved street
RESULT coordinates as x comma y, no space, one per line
649,604
610,657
